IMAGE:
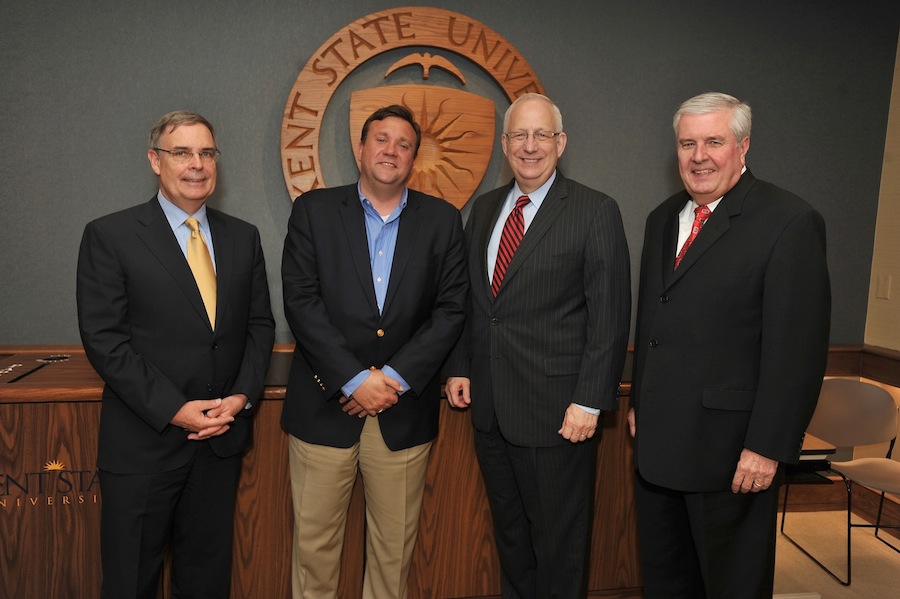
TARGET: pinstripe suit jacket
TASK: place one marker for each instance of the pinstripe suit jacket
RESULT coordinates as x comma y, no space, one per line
557,331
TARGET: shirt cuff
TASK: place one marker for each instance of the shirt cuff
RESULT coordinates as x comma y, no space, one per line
396,375
594,411
353,384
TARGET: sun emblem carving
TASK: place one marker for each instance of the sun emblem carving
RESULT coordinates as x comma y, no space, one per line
457,129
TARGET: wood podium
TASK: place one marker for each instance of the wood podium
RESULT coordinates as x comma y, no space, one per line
50,497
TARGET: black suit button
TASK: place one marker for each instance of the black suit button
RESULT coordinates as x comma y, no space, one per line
209,388
215,346
495,321
663,298
654,342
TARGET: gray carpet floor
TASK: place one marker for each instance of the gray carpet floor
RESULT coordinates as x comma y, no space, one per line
876,567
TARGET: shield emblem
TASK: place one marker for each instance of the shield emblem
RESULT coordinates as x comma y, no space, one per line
457,135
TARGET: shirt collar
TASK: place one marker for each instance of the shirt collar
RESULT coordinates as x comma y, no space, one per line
537,196
367,204
176,216
691,205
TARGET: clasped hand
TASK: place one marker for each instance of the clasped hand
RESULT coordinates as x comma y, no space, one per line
376,394
205,418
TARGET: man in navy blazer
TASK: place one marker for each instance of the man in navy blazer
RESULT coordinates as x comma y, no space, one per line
542,354
730,352
374,292
179,389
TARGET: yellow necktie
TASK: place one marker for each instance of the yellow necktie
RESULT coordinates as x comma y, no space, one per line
202,267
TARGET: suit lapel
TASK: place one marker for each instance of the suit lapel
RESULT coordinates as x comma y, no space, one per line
483,238
407,233
551,208
157,235
718,224
357,238
670,239
223,243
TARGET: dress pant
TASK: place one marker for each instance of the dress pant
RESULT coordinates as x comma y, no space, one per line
190,508
322,481
706,545
542,505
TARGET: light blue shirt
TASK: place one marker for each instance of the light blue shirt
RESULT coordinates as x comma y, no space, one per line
528,213
381,233
176,217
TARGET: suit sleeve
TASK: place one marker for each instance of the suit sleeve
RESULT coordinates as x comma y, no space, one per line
250,377
102,300
458,362
607,288
639,344
324,346
421,357
796,314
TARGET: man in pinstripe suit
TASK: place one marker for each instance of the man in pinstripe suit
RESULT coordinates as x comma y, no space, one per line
542,353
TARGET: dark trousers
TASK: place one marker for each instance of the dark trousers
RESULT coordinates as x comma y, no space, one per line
191,508
542,503
706,545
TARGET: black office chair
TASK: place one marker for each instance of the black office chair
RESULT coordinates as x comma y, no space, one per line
852,413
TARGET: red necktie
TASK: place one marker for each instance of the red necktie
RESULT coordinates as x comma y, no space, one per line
513,231
701,213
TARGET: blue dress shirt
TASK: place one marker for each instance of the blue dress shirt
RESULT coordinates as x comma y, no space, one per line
176,217
381,233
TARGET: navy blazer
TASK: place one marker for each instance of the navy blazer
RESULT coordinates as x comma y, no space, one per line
730,349
146,332
329,301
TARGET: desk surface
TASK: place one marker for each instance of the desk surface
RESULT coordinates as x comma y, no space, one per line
44,376
63,374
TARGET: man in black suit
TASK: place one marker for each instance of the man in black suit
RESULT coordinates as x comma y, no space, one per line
542,352
374,292
182,368
730,351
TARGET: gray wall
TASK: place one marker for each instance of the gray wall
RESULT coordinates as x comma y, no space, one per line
81,83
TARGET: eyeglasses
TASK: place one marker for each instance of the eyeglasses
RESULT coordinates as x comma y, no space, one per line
541,137
185,156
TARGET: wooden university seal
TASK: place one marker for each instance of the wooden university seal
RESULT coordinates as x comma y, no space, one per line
457,126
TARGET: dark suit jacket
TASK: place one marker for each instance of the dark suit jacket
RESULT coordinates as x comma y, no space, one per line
730,349
557,331
146,332
329,301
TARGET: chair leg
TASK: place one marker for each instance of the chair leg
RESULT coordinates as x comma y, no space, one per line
849,527
787,488
810,555
878,525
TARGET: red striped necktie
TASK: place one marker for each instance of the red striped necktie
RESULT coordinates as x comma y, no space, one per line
513,231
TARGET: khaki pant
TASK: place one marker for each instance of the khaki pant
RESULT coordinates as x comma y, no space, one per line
321,484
